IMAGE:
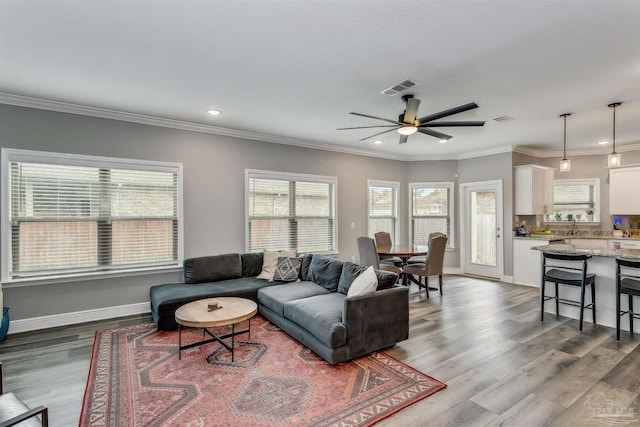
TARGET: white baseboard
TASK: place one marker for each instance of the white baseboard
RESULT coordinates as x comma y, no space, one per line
452,270
507,279
64,319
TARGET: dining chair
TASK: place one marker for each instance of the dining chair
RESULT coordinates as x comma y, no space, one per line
567,269
384,239
369,255
434,264
14,412
627,283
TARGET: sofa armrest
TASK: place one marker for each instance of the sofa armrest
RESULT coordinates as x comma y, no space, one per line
375,321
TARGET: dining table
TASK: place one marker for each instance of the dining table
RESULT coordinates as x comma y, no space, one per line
404,252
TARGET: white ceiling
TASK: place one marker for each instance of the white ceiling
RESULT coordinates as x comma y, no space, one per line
295,69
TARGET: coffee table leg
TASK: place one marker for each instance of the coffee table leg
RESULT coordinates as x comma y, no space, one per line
179,342
233,334
249,329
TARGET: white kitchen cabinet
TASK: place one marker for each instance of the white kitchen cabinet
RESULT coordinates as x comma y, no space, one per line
623,183
533,190
527,262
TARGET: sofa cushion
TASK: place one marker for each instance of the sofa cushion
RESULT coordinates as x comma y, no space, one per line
269,262
304,268
325,272
321,315
275,297
212,268
251,264
349,273
386,279
365,283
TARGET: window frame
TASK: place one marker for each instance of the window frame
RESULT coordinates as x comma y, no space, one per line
290,176
442,184
9,155
596,199
394,185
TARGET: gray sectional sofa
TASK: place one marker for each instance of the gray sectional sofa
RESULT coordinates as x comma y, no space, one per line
314,310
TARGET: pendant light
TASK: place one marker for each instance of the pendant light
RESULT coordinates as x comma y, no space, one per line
565,164
614,158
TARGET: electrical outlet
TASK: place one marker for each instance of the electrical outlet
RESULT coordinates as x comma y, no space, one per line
353,259
353,225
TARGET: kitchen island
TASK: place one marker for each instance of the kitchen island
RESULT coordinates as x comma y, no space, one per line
603,264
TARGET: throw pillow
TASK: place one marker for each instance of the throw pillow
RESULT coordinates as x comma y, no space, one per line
365,283
287,269
349,273
269,262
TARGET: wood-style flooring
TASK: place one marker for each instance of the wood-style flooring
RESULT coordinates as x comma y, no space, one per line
483,338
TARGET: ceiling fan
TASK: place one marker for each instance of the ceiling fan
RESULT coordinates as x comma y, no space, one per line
407,123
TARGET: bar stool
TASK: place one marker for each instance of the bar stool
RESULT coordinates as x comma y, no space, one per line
627,282
568,269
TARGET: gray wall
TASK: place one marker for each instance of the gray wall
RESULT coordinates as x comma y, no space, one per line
214,168
495,167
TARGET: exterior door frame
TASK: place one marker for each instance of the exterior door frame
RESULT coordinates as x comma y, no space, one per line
465,216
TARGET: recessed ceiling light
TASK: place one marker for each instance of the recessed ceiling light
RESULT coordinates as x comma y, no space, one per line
443,141
377,141
214,112
603,142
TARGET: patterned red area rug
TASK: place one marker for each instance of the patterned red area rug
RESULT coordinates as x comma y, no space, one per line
136,379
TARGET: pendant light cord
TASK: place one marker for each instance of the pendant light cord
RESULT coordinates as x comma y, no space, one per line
564,152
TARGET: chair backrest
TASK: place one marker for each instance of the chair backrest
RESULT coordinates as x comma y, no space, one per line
368,252
572,262
383,239
435,257
627,268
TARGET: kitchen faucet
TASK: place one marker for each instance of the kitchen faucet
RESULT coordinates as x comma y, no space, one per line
574,228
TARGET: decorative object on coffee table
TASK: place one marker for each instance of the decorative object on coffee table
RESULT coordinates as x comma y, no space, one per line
136,380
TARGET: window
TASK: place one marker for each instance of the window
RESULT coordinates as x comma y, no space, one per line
71,215
290,212
576,199
383,207
431,211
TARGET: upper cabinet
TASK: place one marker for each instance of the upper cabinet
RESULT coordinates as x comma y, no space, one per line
623,198
533,190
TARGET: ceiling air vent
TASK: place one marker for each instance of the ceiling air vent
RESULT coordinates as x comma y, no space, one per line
503,119
400,87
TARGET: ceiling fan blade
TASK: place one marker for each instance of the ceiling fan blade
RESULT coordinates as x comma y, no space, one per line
452,124
411,111
367,127
379,133
449,112
377,118
434,133
403,139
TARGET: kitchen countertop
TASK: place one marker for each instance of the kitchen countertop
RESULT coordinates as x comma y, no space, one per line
603,252
564,236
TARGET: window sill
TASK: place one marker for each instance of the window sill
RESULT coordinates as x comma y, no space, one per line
36,281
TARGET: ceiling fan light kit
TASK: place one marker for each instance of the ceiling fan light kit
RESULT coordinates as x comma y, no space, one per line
565,164
407,130
407,123
613,159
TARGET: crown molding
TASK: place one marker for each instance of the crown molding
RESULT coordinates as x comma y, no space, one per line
596,151
64,107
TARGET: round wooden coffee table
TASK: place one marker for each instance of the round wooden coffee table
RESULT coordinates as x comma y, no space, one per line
197,315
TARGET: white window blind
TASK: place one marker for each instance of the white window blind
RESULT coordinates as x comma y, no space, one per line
431,211
383,207
290,212
90,216
576,199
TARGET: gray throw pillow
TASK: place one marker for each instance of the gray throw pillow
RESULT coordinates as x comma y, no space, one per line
287,269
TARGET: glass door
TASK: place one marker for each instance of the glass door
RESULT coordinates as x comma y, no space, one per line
482,218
